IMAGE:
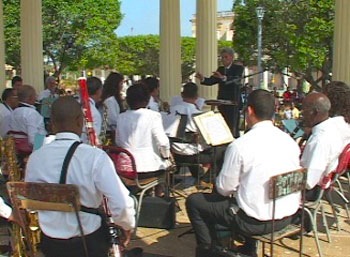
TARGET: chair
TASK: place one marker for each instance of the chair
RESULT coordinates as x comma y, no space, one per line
125,166
333,178
279,186
30,196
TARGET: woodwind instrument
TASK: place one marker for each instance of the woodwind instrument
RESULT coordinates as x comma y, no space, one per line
24,240
84,98
85,103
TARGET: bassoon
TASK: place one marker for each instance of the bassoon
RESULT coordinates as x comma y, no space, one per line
89,123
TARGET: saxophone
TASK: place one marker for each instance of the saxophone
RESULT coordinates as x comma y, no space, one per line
22,246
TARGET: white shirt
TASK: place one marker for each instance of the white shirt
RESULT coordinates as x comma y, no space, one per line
323,148
141,132
175,100
250,162
28,120
186,109
97,122
93,172
5,210
45,93
113,111
153,105
5,116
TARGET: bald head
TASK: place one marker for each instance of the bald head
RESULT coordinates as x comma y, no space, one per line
66,115
316,108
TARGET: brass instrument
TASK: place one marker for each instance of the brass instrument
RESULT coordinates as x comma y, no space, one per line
21,246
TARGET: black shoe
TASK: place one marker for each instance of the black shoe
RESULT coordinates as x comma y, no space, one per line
246,251
219,251
134,252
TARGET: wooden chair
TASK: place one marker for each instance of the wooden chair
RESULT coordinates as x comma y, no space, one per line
30,196
283,185
125,166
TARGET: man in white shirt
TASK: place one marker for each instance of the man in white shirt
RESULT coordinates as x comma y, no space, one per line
50,89
93,172
192,151
328,138
25,121
9,103
250,162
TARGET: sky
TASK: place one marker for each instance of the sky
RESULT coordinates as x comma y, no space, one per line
141,17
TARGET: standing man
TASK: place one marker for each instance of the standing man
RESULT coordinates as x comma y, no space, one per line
9,103
228,77
248,166
93,172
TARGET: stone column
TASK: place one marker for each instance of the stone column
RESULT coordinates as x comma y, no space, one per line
2,50
206,44
170,49
32,44
341,54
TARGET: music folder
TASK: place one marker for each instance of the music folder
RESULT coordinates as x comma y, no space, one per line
213,128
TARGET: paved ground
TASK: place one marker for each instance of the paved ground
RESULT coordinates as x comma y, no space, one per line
159,242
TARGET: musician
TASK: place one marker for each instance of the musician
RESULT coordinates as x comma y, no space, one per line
249,163
16,82
192,152
93,172
228,77
94,87
9,103
112,98
141,132
25,121
328,138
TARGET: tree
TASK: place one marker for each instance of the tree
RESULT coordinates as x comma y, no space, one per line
76,33
297,34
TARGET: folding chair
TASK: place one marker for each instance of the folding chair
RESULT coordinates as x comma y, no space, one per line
125,166
279,186
29,196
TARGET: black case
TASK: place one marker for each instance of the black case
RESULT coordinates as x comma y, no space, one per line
157,212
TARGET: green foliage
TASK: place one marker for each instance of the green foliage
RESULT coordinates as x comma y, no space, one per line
76,33
296,34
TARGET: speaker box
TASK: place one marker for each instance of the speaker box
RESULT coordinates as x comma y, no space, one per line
157,212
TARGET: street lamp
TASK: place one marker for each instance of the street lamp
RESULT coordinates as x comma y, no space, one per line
260,11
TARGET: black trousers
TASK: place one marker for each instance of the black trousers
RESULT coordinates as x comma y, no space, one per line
232,117
97,245
205,211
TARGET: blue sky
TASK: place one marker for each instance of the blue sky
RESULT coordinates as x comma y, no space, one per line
142,16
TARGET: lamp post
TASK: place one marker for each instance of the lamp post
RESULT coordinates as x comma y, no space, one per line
260,14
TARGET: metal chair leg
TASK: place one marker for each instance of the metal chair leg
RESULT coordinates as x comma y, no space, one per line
313,218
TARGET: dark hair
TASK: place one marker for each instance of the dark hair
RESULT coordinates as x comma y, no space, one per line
16,79
137,96
338,93
151,83
7,93
263,104
111,88
93,84
190,90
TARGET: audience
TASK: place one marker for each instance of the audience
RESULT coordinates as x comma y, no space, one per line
247,168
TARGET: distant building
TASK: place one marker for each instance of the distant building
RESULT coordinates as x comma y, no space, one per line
224,27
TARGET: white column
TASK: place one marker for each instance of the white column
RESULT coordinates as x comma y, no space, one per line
341,53
206,47
265,80
170,49
2,50
32,44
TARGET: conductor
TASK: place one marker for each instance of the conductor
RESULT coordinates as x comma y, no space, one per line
228,77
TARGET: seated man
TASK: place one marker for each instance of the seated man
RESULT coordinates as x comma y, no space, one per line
141,132
193,152
250,162
93,172
25,121
9,103
328,138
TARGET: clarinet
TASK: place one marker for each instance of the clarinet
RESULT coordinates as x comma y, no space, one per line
113,231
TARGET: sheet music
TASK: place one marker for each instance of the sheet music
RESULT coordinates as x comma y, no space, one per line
213,128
